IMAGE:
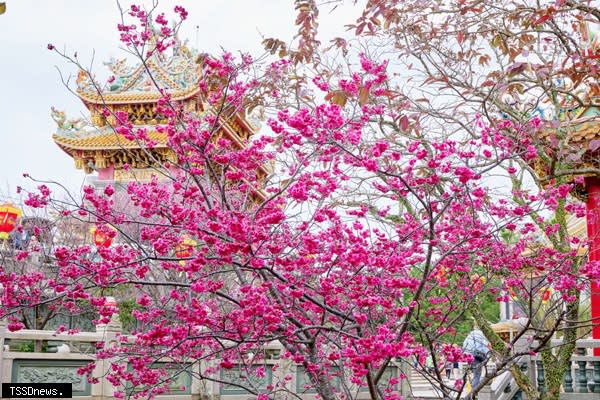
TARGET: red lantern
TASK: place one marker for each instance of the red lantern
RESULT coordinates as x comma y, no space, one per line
546,293
8,219
185,248
102,238
442,275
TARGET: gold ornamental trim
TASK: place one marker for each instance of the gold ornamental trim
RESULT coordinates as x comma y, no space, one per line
137,97
90,160
577,130
109,141
138,175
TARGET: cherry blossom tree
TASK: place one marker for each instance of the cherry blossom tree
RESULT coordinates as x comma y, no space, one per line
382,221
512,61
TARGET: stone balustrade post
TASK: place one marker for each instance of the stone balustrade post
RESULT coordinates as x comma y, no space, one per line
596,376
568,378
405,368
541,379
531,369
485,393
104,390
581,372
197,390
286,367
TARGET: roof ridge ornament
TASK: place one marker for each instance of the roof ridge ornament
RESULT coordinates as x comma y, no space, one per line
175,69
69,127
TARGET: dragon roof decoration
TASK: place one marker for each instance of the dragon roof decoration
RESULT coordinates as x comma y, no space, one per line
175,71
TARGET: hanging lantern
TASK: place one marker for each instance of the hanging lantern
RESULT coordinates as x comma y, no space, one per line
185,248
442,275
9,215
103,239
546,294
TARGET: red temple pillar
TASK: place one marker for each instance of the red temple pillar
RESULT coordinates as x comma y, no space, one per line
593,232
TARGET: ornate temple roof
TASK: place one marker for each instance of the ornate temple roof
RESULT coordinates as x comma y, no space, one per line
580,126
105,141
581,123
586,129
135,91
94,144
175,71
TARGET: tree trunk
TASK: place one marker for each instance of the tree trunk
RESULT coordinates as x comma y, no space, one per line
556,366
553,373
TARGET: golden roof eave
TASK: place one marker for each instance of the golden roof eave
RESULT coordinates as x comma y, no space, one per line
134,97
578,130
577,133
107,141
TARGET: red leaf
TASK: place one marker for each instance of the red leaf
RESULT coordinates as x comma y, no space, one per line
541,19
360,28
404,123
516,68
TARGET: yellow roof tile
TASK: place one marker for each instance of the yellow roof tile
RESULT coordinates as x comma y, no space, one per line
134,97
107,141
579,130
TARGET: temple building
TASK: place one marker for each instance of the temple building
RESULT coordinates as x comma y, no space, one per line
577,129
98,147
95,145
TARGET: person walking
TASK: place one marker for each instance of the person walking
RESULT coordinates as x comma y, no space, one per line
448,366
478,346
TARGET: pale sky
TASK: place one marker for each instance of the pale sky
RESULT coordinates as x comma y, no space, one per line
30,83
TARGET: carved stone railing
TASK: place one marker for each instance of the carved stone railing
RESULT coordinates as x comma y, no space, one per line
70,352
73,351
503,387
583,376
580,382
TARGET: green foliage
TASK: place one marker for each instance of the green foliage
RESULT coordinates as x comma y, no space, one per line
26,347
509,237
463,321
491,311
126,308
